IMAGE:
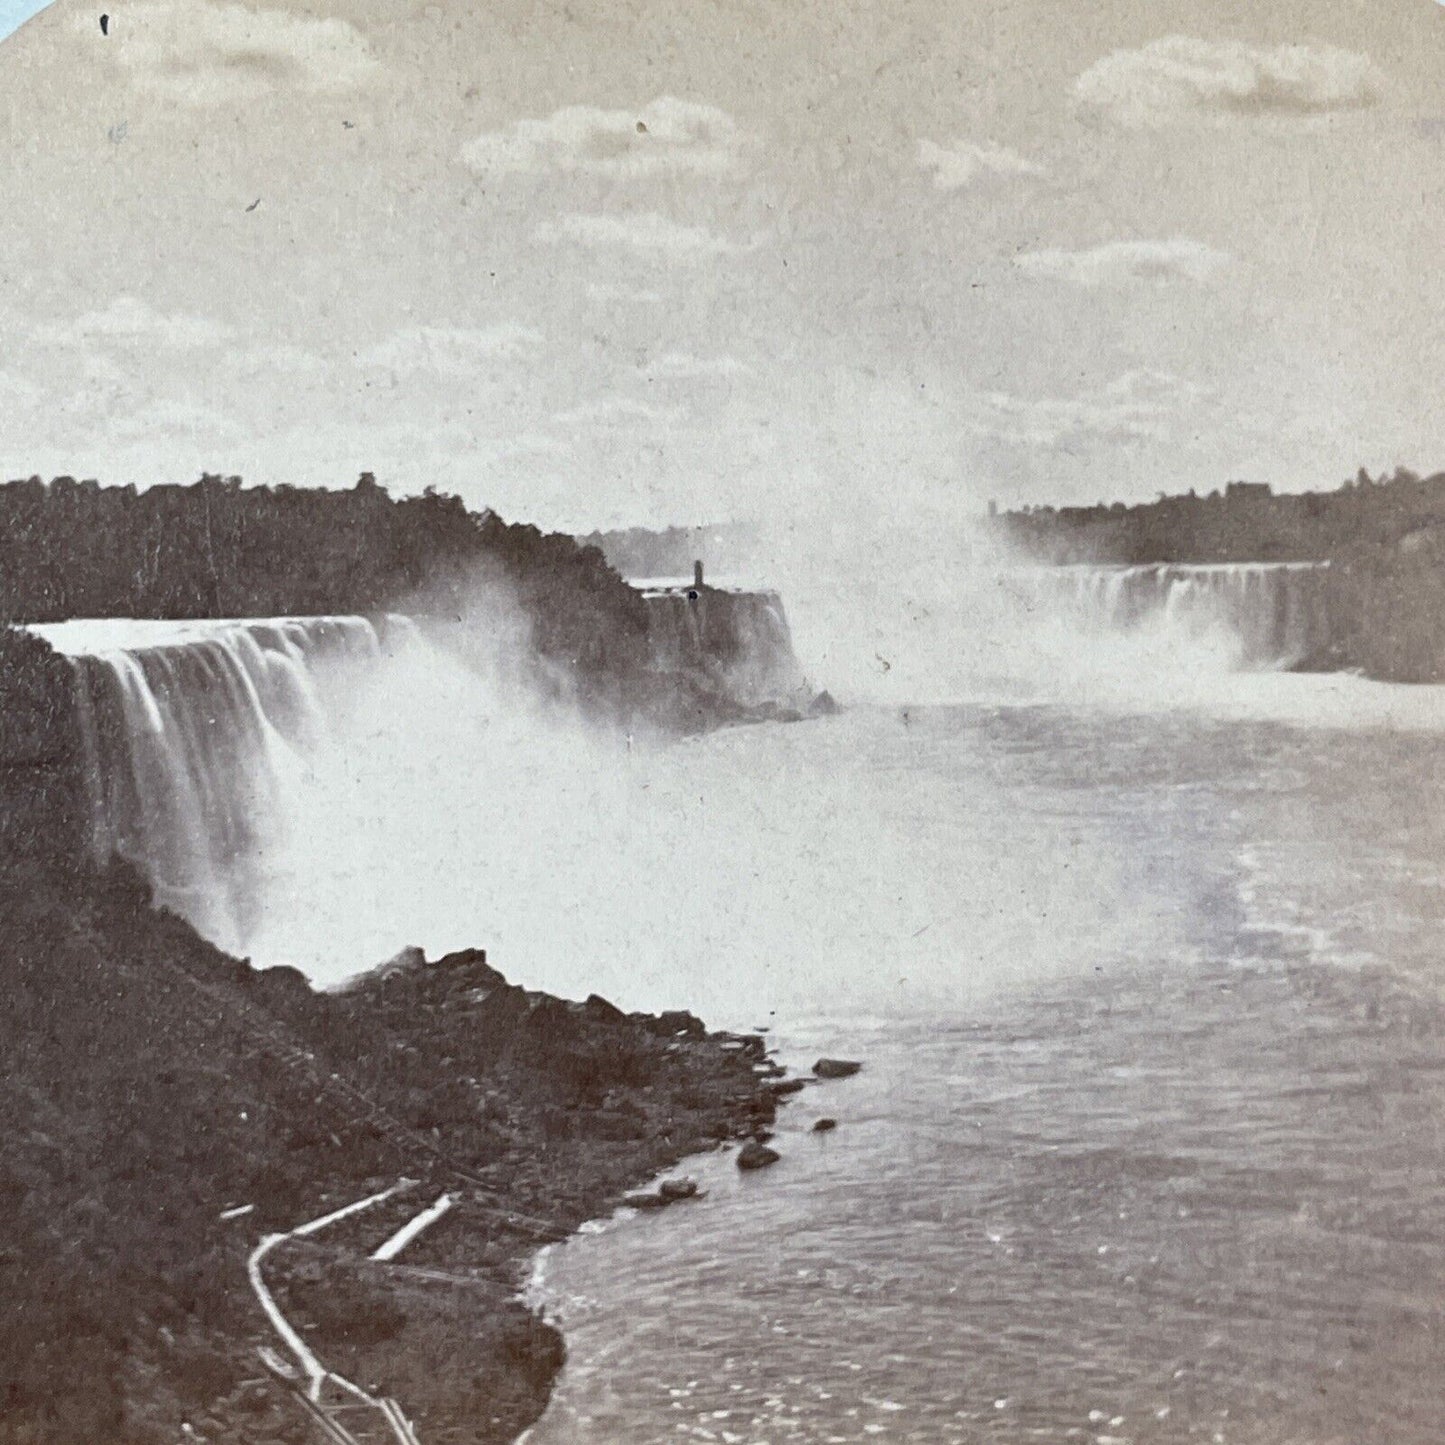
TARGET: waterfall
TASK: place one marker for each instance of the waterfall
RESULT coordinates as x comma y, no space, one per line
1270,615
194,733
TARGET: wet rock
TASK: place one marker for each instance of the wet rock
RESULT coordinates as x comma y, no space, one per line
756,1156
825,1126
670,1191
836,1068
785,1087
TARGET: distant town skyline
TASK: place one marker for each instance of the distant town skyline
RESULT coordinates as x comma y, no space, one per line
599,265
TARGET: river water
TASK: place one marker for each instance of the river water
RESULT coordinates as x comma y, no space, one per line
1150,1141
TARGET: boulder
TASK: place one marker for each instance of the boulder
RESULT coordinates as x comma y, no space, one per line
784,1087
836,1068
468,968
282,987
599,1010
670,1191
756,1156
678,1021
825,1126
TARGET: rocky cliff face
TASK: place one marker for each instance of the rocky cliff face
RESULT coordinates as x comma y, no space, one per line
733,644
1386,606
43,808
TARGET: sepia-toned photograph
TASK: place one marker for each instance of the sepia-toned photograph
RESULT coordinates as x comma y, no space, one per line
722,722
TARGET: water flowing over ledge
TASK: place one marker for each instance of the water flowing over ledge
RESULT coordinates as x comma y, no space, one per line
193,732
1267,615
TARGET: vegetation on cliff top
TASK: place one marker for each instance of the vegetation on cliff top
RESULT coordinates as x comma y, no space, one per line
1247,522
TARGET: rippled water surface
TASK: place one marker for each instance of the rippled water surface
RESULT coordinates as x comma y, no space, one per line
1149,1142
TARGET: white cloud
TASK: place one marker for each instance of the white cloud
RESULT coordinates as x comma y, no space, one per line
964,162
1181,78
167,419
614,409
666,137
128,320
1120,262
450,350
646,232
606,291
680,366
16,391
1139,406
258,361
208,54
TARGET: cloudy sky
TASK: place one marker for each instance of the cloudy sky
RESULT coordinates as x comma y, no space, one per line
594,262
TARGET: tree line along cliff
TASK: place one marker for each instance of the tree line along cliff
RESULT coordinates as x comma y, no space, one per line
218,549
1246,522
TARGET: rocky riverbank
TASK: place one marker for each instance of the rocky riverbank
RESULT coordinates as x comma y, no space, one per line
166,1106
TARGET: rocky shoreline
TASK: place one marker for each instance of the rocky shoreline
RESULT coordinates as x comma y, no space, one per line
167,1107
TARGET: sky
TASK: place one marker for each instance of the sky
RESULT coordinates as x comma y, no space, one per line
597,264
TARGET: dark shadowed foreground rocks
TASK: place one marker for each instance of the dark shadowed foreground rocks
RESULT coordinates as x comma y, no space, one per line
164,1106
756,1155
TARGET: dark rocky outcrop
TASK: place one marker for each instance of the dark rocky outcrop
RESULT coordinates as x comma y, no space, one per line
152,1085
836,1068
825,1126
756,1156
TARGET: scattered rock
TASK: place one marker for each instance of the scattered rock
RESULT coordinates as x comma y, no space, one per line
836,1068
825,1126
756,1156
670,1191
785,1087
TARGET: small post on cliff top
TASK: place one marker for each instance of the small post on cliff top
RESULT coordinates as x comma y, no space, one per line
697,574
